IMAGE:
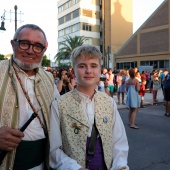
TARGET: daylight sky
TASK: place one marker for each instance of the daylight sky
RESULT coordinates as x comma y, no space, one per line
44,14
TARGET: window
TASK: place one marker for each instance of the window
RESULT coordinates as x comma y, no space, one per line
126,64
68,17
166,64
60,9
68,4
76,13
156,63
68,30
161,64
61,20
87,13
60,45
87,27
145,63
61,33
75,1
75,27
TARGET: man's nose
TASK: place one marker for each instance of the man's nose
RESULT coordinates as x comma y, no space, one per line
30,49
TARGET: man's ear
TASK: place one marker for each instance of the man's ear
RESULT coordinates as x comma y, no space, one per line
12,42
46,44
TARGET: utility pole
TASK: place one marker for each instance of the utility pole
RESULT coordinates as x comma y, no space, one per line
15,7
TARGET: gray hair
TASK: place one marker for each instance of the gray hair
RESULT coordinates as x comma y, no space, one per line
88,51
31,26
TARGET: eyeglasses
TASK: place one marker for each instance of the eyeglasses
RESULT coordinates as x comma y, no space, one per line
25,45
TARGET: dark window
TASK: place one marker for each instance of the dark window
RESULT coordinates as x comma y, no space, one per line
76,13
166,64
61,20
142,63
84,27
68,17
155,64
87,27
161,64
151,63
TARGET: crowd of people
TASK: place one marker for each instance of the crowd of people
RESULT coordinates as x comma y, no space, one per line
118,82
67,118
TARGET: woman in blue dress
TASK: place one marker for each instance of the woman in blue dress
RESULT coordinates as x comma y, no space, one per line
132,98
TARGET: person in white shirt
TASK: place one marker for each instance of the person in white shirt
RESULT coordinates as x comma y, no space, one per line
26,91
93,134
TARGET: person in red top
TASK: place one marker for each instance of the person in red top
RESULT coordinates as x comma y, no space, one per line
143,75
142,92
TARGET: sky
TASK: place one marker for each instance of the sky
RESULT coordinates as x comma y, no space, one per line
44,14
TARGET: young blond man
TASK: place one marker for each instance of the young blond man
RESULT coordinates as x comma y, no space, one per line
83,112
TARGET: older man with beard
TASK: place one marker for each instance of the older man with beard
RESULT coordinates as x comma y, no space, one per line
25,88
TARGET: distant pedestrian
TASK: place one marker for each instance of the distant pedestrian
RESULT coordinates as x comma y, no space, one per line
110,79
167,94
64,84
138,76
132,98
142,93
121,89
156,86
162,77
115,72
143,75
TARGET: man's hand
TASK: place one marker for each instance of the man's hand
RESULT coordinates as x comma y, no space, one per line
10,138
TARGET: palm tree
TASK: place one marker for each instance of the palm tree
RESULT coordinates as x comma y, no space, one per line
68,46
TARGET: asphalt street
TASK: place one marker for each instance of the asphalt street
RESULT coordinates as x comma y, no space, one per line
149,146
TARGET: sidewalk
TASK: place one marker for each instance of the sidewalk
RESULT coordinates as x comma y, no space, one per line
148,99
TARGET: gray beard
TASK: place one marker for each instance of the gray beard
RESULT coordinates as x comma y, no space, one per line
26,66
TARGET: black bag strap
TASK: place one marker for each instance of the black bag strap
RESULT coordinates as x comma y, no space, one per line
93,139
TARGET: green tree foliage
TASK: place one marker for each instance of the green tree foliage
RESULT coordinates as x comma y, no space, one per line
2,57
69,45
45,61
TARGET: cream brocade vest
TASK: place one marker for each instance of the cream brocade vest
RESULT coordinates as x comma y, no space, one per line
72,113
9,106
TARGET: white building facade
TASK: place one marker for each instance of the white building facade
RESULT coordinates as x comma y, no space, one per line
79,18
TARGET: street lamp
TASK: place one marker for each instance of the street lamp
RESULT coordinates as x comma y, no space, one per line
2,26
3,23
3,19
